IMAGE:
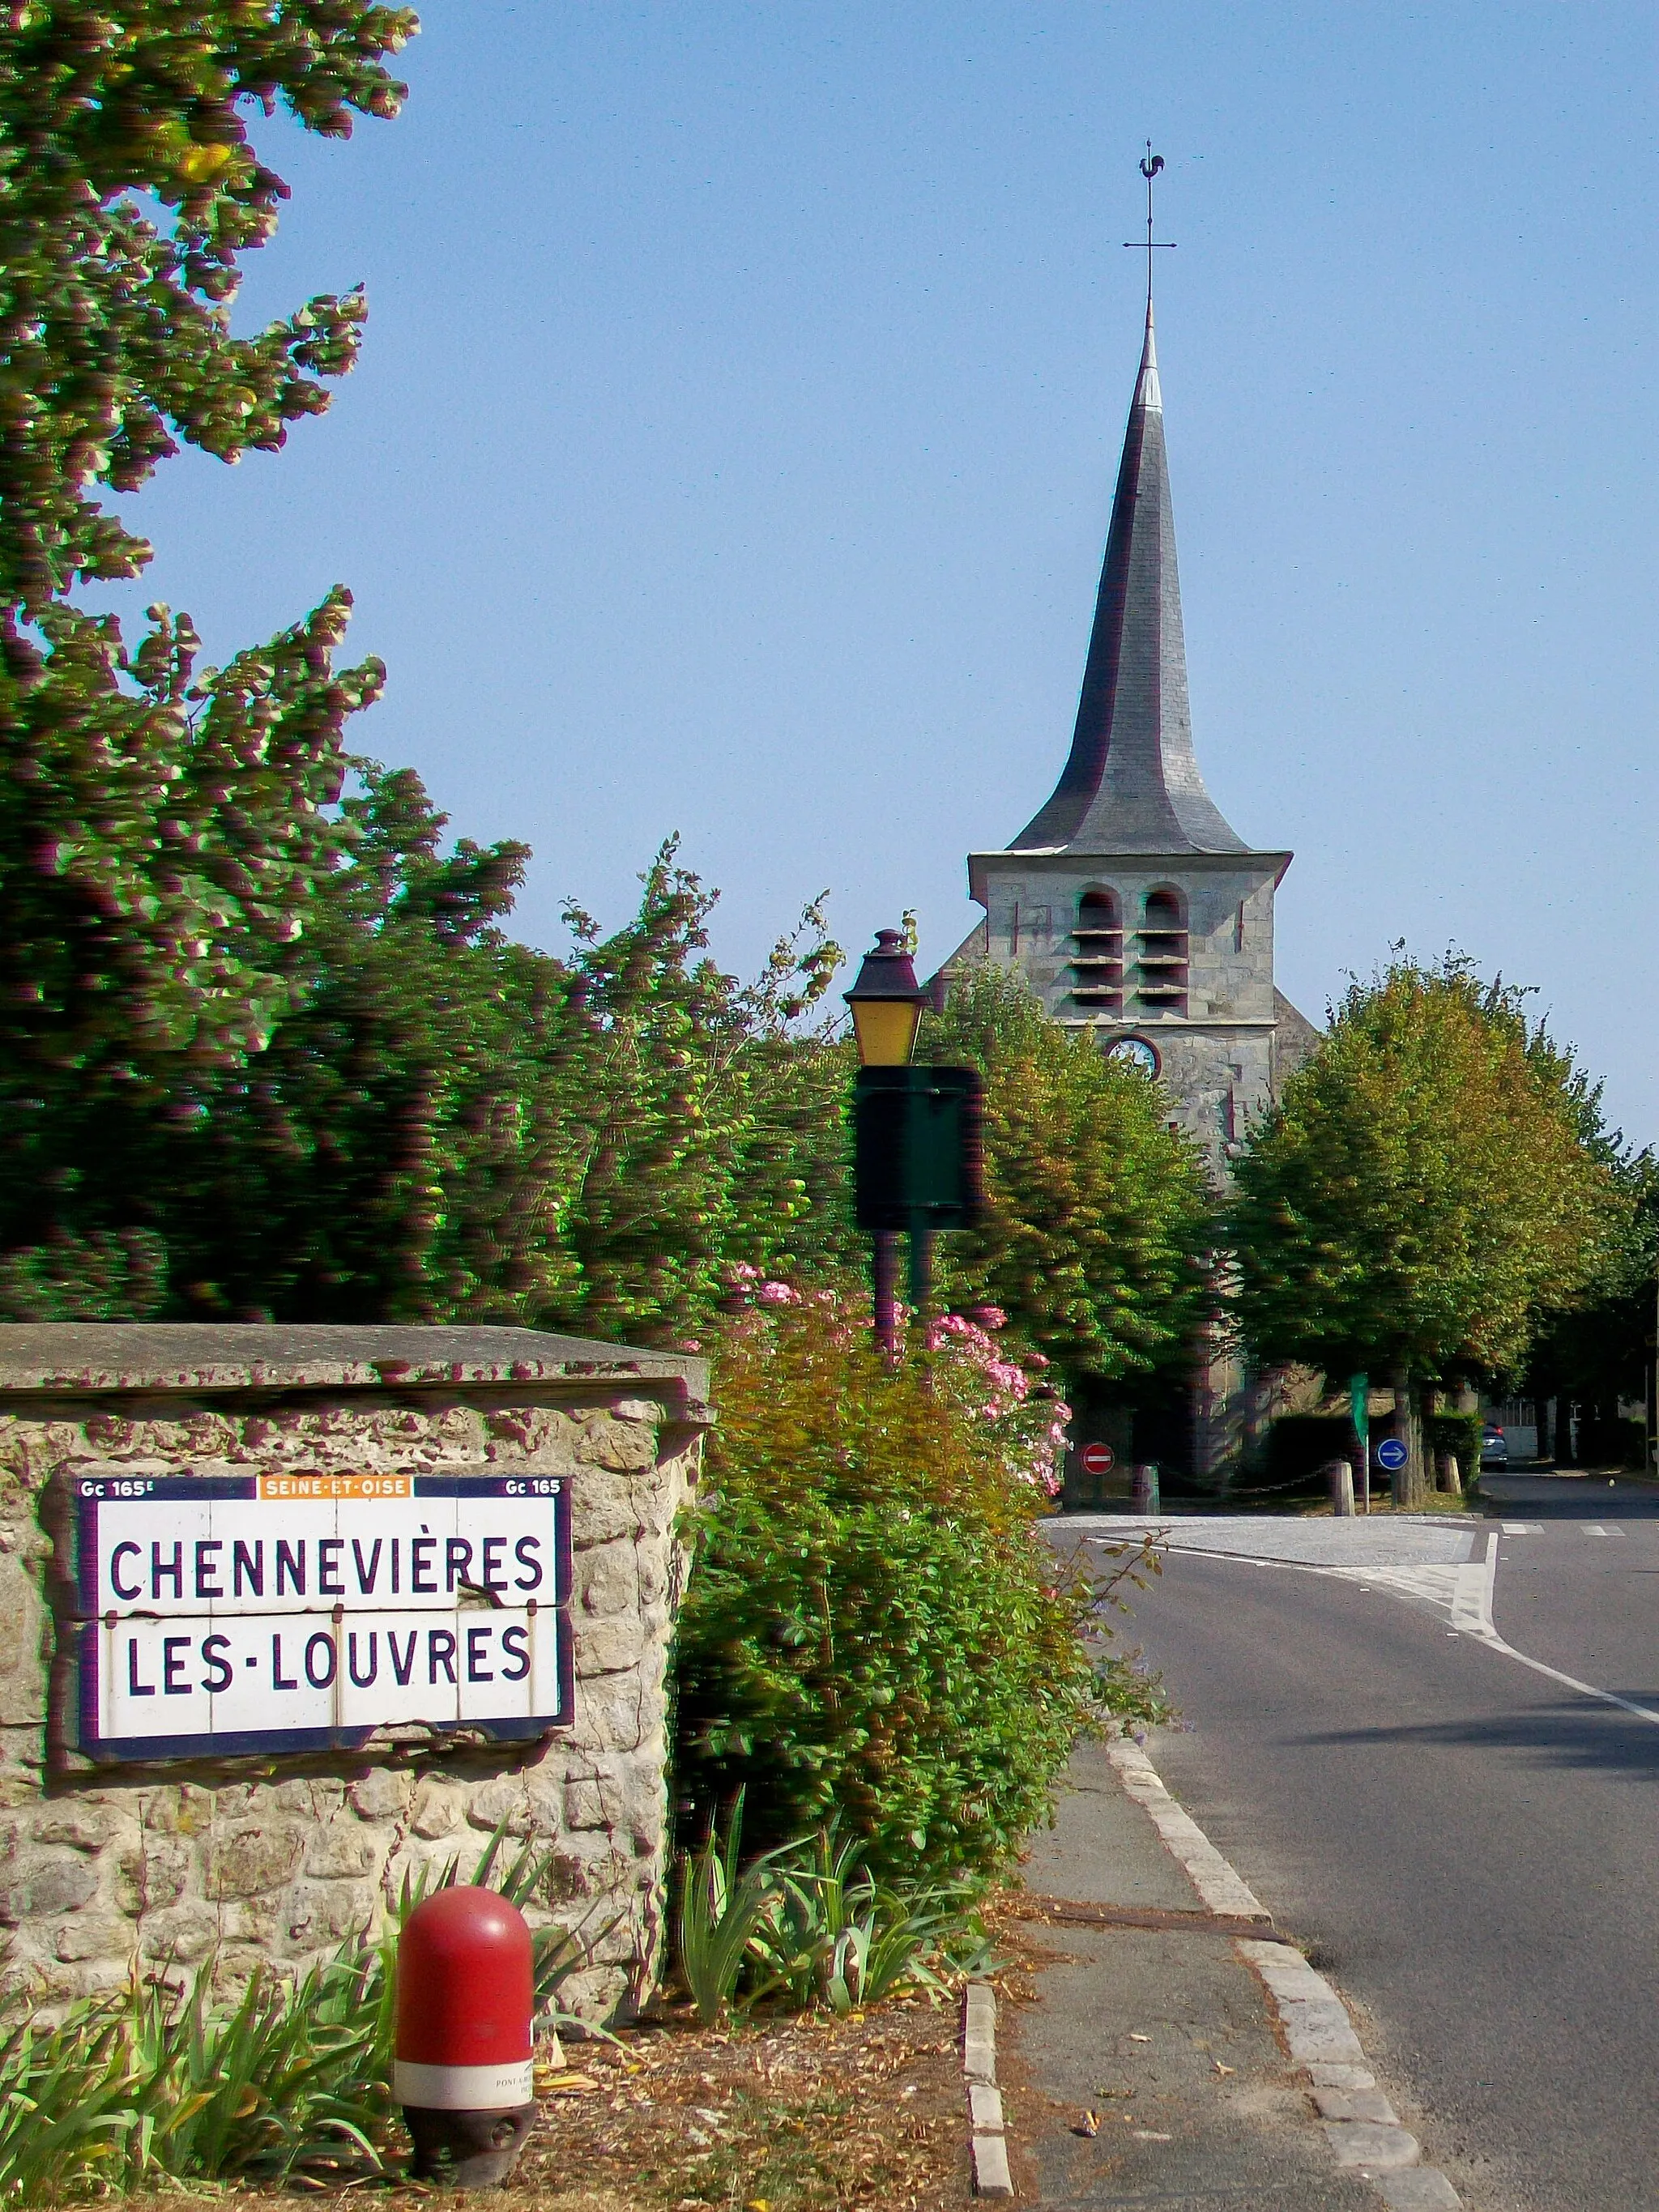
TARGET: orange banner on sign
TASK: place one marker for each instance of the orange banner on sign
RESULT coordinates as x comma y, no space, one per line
289,1487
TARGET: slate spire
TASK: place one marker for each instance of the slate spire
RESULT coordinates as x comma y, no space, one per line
1132,783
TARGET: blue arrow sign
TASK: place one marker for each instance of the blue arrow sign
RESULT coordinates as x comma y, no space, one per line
1392,1455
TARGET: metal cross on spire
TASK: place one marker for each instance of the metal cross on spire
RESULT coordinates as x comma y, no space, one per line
1148,169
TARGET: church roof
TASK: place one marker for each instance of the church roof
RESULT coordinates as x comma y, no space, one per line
1132,783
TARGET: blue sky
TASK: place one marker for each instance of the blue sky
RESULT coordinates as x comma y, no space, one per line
733,446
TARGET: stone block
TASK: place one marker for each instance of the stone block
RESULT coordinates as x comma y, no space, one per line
183,1809
151,1875
597,1993
22,1643
311,1798
526,1803
1365,2143
382,1794
36,1886
607,1579
277,1867
616,1712
252,1861
623,1445
186,1934
252,1920
316,1913
611,1645
594,1801
440,1809
74,1821
91,1935
345,1850
602,1508
1355,2105
1417,2189
659,1571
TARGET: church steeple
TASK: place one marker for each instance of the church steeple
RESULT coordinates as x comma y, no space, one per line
1132,783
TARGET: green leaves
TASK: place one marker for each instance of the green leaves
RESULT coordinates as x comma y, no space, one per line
163,835
1099,1216
113,327
1427,1185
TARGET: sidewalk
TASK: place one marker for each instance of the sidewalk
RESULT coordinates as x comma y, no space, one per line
1165,2033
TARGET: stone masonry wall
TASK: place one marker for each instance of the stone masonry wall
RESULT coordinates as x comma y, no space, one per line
277,1859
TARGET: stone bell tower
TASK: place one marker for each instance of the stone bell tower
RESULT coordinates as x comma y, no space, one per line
1134,908
1131,906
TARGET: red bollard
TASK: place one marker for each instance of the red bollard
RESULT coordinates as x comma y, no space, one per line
465,1993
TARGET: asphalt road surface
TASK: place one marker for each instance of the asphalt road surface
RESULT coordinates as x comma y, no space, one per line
1471,1847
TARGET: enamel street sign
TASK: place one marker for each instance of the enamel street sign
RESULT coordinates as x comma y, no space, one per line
229,1613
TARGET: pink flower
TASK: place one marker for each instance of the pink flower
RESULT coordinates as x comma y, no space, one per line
991,1317
778,1294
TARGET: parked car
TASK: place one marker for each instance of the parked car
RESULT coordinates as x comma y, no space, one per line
1494,1447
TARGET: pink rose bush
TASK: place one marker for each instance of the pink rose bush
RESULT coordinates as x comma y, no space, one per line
1024,1421
875,1629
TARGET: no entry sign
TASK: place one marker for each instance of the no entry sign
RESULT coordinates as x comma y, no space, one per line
1098,1459
295,1612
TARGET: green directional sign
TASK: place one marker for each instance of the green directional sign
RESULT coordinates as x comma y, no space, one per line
1359,1401
918,1155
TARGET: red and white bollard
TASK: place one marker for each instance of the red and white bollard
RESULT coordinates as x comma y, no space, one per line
463,2068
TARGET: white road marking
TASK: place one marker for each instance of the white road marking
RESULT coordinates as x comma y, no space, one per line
1361,2126
1593,1528
1463,1588
1523,1528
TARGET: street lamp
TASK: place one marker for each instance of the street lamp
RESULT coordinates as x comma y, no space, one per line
917,1157
886,1003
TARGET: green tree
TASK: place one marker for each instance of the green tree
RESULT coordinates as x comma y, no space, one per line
450,1126
162,831
1426,1186
1601,1351
1100,1218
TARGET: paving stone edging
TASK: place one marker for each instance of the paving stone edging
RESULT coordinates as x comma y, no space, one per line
1360,2124
987,2143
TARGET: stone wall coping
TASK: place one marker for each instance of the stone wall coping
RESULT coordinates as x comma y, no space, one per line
76,1358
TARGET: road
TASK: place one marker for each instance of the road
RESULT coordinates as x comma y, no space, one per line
1471,1847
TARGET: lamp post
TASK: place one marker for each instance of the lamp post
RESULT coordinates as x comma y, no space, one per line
917,1159
886,1005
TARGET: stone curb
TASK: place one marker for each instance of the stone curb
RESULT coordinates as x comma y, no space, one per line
987,2141
1360,2124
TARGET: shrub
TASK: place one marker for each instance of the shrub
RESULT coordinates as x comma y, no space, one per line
874,1628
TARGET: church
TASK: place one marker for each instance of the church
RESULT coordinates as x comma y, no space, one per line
1130,904
1136,911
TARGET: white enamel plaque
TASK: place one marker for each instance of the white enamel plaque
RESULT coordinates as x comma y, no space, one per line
298,1611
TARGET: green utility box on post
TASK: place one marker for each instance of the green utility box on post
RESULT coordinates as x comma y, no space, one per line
918,1151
